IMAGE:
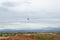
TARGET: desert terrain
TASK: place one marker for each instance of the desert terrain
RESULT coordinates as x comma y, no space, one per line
33,36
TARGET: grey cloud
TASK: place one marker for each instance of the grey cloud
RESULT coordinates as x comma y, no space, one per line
9,4
7,16
28,1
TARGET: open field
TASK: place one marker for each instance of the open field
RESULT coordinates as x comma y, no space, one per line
29,36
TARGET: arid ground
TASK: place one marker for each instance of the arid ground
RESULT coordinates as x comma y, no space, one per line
38,36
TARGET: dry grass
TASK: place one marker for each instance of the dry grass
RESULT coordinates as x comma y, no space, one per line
39,36
20,37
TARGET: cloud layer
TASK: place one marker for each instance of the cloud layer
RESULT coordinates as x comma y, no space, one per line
42,13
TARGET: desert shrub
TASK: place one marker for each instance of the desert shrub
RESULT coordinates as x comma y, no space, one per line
41,37
58,33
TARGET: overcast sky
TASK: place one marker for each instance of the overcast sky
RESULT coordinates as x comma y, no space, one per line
42,14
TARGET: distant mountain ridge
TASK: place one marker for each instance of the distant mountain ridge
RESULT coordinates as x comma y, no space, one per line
49,29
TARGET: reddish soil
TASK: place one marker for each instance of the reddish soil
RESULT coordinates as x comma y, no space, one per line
57,37
20,37
54,36
29,37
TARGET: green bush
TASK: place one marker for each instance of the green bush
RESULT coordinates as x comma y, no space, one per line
40,37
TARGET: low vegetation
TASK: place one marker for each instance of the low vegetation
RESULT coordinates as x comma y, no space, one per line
45,37
29,36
